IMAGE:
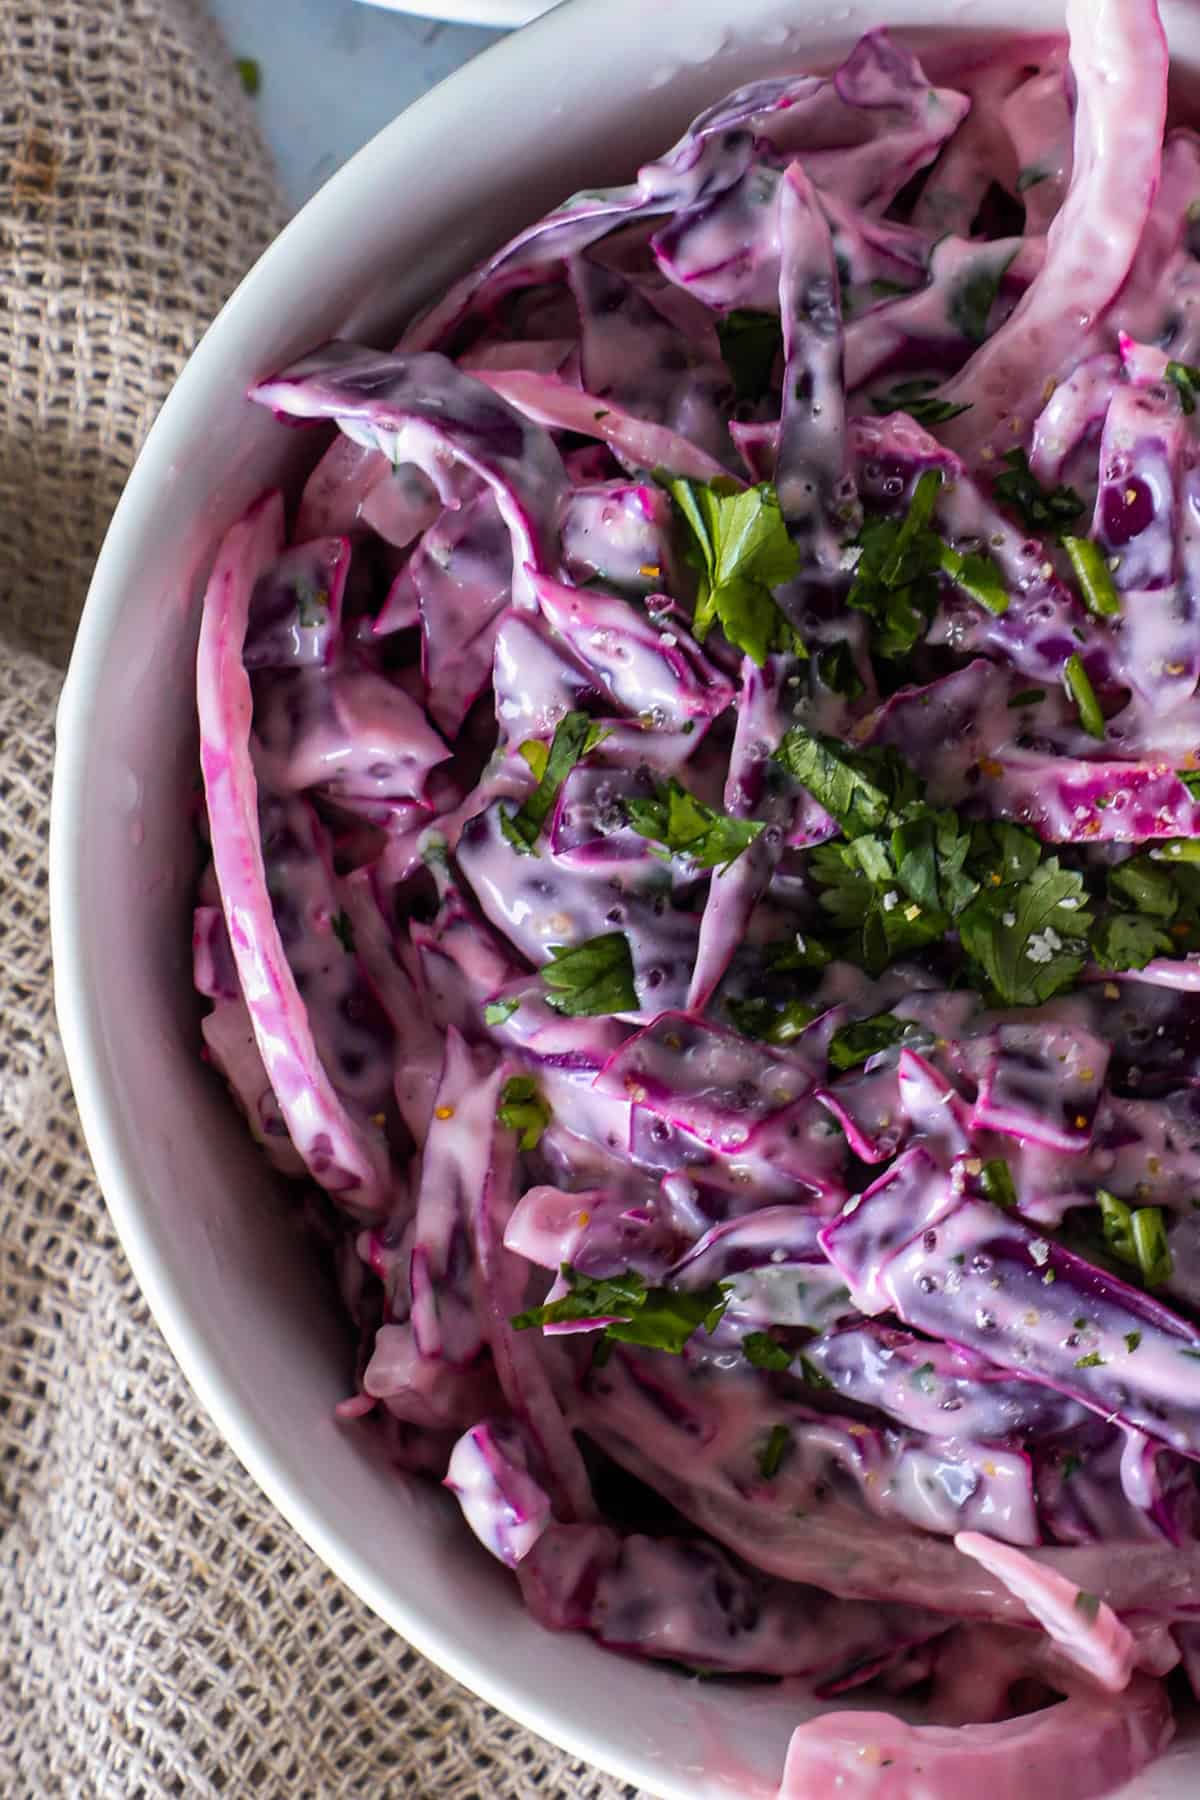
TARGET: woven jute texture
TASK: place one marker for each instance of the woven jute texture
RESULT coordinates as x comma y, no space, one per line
161,1630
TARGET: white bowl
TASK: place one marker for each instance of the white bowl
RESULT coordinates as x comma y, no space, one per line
577,99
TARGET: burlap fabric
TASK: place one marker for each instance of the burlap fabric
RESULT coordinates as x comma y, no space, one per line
161,1630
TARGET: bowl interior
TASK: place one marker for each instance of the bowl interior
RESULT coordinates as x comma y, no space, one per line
577,100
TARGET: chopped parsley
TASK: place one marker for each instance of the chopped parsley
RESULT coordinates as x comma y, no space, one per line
523,1110
738,543
1041,510
751,343
761,1018
969,307
654,1318
837,669
773,1451
1027,697
1028,938
1093,1360
498,1012
685,826
343,931
1128,940
861,789
918,398
575,736
1088,1605
592,979
249,74
761,1349
850,1047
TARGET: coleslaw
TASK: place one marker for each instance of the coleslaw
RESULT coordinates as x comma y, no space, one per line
703,793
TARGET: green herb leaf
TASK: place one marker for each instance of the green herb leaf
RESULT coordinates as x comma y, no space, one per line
1191,781
343,931
861,789
896,576
654,1318
1146,885
918,399
800,951
836,668
1094,577
1093,1360
772,1024
740,546
1132,1340
772,1453
854,1044
1027,697
1027,939
1187,380
687,827
760,1348
1041,510
1087,1604
1127,940
498,1012
978,576
1084,695
575,736
523,1110
970,303
592,979
249,74
751,343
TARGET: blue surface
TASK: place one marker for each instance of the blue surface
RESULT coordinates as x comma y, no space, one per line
334,72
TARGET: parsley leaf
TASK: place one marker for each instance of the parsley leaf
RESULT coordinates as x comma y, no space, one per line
1088,1605
1128,940
917,399
1146,885
850,1047
575,736
654,1318
740,546
498,1012
750,344
522,1109
687,827
978,576
1094,577
1027,939
343,931
592,979
861,789
249,74
970,303
761,1349
1041,510
836,668
896,577
762,1019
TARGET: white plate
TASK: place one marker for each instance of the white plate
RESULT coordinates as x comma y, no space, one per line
497,13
